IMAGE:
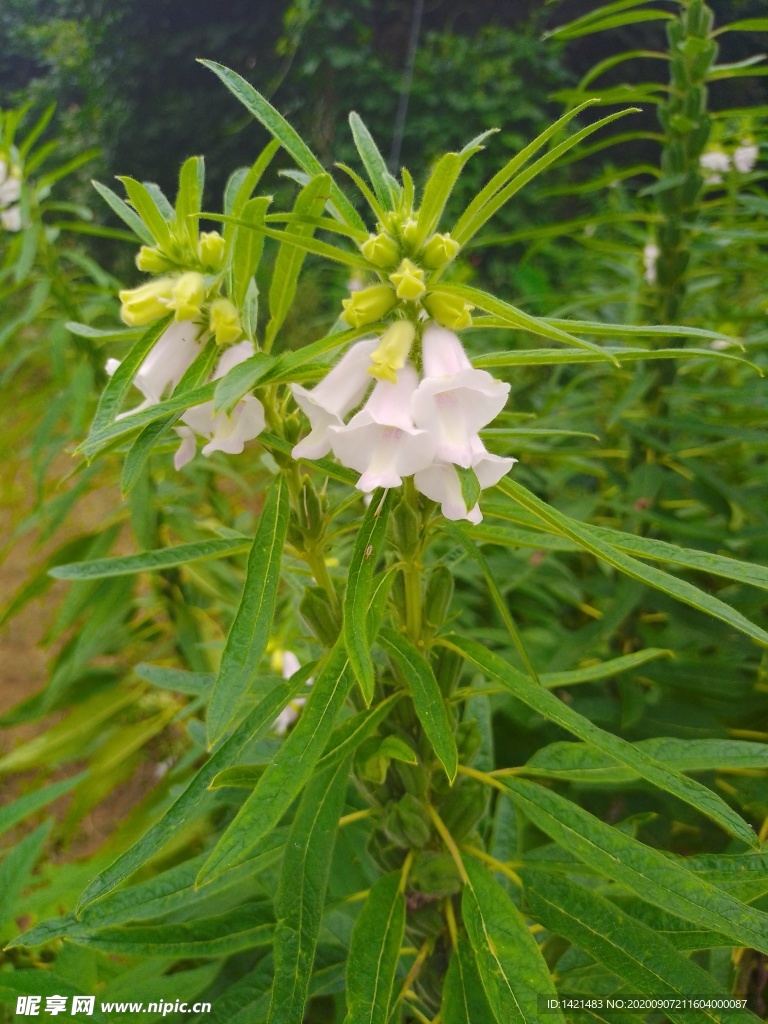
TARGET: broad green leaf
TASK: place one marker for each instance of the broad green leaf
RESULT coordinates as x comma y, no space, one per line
23,982
384,185
512,970
11,814
257,722
641,869
647,961
427,698
745,876
289,139
147,208
470,486
287,774
289,261
581,762
16,868
247,927
547,704
124,212
301,892
587,538
365,555
251,628
150,561
374,953
464,999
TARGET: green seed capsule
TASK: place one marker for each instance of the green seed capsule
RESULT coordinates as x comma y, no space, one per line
439,595
320,616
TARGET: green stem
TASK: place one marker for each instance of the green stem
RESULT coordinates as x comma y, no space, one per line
412,576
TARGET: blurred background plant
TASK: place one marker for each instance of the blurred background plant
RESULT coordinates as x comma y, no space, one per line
660,221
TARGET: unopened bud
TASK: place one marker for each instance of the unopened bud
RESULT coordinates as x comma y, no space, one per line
413,818
367,306
211,250
439,595
408,280
224,321
405,527
382,250
409,231
449,310
439,250
469,739
146,303
393,351
188,296
464,807
311,510
435,874
153,261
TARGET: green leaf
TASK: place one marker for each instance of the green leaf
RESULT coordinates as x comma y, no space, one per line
16,869
287,774
436,193
194,683
603,669
348,736
587,539
512,970
384,185
264,112
124,212
365,554
150,561
470,486
628,948
246,927
239,776
11,814
464,999
257,722
427,698
580,762
148,209
395,749
290,259
547,704
374,953
247,247
189,198
645,871
240,380
251,628
141,449
301,892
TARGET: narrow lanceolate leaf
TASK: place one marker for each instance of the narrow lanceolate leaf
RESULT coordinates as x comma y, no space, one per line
290,259
645,871
301,894
464,998
15,812
648,574
384,185
244,928
512,970
374,952
184,808
427,699
124,212
16,868
365,555
643,958
285,134
150,561
288,773
547,704
250,631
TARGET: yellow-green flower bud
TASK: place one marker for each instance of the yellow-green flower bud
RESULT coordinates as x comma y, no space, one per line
224,321
393,350
146,303
449,310
381,249
409,231
211,250
153,261
408,280
188,295
370,304
439,250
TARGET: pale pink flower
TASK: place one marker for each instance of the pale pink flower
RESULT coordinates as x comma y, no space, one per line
441,483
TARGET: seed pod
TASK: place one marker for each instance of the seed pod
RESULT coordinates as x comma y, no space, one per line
311,510
320,615
435,874
469,739
414,820
439,595
447,668
405,527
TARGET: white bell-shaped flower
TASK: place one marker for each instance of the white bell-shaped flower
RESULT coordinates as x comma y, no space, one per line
454,400
651,255
10,190
225,433
381,441
162,369
11,218
441,482
745,157
325,406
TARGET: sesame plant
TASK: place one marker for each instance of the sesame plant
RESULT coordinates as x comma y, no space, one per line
391,801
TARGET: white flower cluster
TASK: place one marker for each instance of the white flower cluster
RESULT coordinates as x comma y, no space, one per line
424,428
717,162
289,665
10,193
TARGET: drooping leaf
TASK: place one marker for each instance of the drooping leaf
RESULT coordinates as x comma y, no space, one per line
374,952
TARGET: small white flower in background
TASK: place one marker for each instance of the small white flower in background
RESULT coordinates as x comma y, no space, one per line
454,400
745,157
170,358
381,441
10,192
225,433
716,161
650,255
288,666
11,218
330,400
